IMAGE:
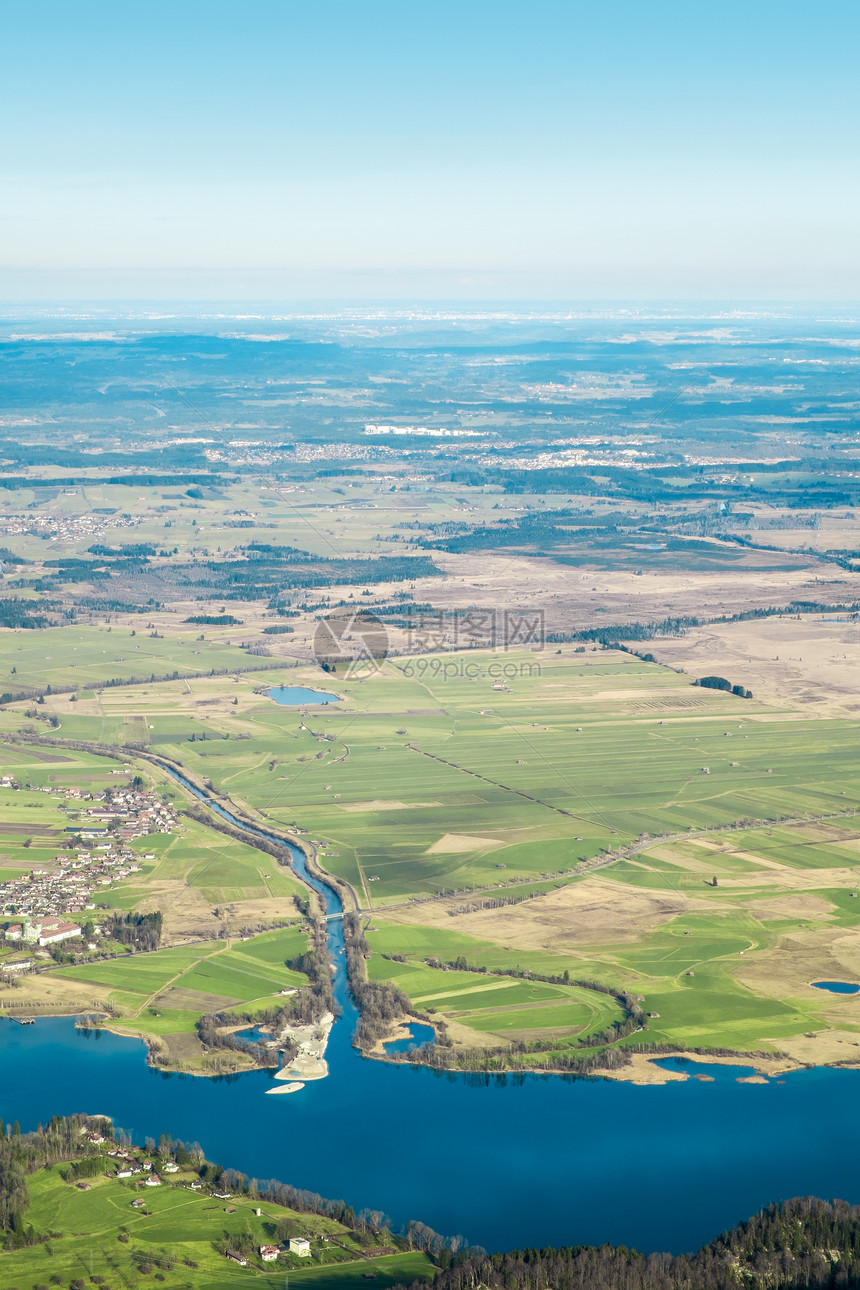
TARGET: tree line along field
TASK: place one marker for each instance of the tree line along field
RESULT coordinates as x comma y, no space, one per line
86,1227
501,1006
78,656
436,788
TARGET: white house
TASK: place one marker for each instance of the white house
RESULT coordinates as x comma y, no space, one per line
268,1253
299,1245
153,1181
50,931
170,1168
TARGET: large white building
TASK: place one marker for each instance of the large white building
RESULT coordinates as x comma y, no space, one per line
50,931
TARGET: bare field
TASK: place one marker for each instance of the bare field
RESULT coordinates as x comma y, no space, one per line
590,912
807,662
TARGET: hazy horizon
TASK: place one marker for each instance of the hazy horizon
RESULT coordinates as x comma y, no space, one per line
492,151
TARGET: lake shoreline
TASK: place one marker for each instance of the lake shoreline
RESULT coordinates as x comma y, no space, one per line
642,1069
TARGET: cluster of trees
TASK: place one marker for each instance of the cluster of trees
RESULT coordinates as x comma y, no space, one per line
215,620
267,571
544,527
211,1033
141,931
380,1003
720,683
802,1244
677,625
21,1154
15,612
674,626
309,1003
127,550
369,1222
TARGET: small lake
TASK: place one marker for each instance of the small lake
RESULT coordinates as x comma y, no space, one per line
296,695
417,1036
837,987
253,1034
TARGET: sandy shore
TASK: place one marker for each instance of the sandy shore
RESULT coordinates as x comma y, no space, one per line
310,1063
643,1068
295,1087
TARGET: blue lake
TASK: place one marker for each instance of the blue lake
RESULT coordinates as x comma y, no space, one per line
526,1160
506,1161
296,695
837,987
417,1036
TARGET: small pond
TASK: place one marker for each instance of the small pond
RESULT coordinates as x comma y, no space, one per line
295,695
417,1036
708,1072
837,987
254,1034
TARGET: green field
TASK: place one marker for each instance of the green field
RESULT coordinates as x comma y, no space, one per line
85,656
164,993
85,1227
482,782
440,792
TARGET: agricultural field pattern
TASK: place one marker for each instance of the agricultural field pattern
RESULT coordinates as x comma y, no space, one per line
561,848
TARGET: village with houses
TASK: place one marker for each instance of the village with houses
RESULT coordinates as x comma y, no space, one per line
171,1164
35,906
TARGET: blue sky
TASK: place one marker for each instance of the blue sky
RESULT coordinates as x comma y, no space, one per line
531,149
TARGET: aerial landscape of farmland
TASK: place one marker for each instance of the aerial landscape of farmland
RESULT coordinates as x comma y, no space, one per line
429,646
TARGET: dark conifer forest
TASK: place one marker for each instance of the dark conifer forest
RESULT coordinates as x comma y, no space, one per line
805,1243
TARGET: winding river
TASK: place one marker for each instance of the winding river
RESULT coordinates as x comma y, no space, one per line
506,1161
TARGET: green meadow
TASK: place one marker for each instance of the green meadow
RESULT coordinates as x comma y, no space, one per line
416,785
82,656
165,993
181,1226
